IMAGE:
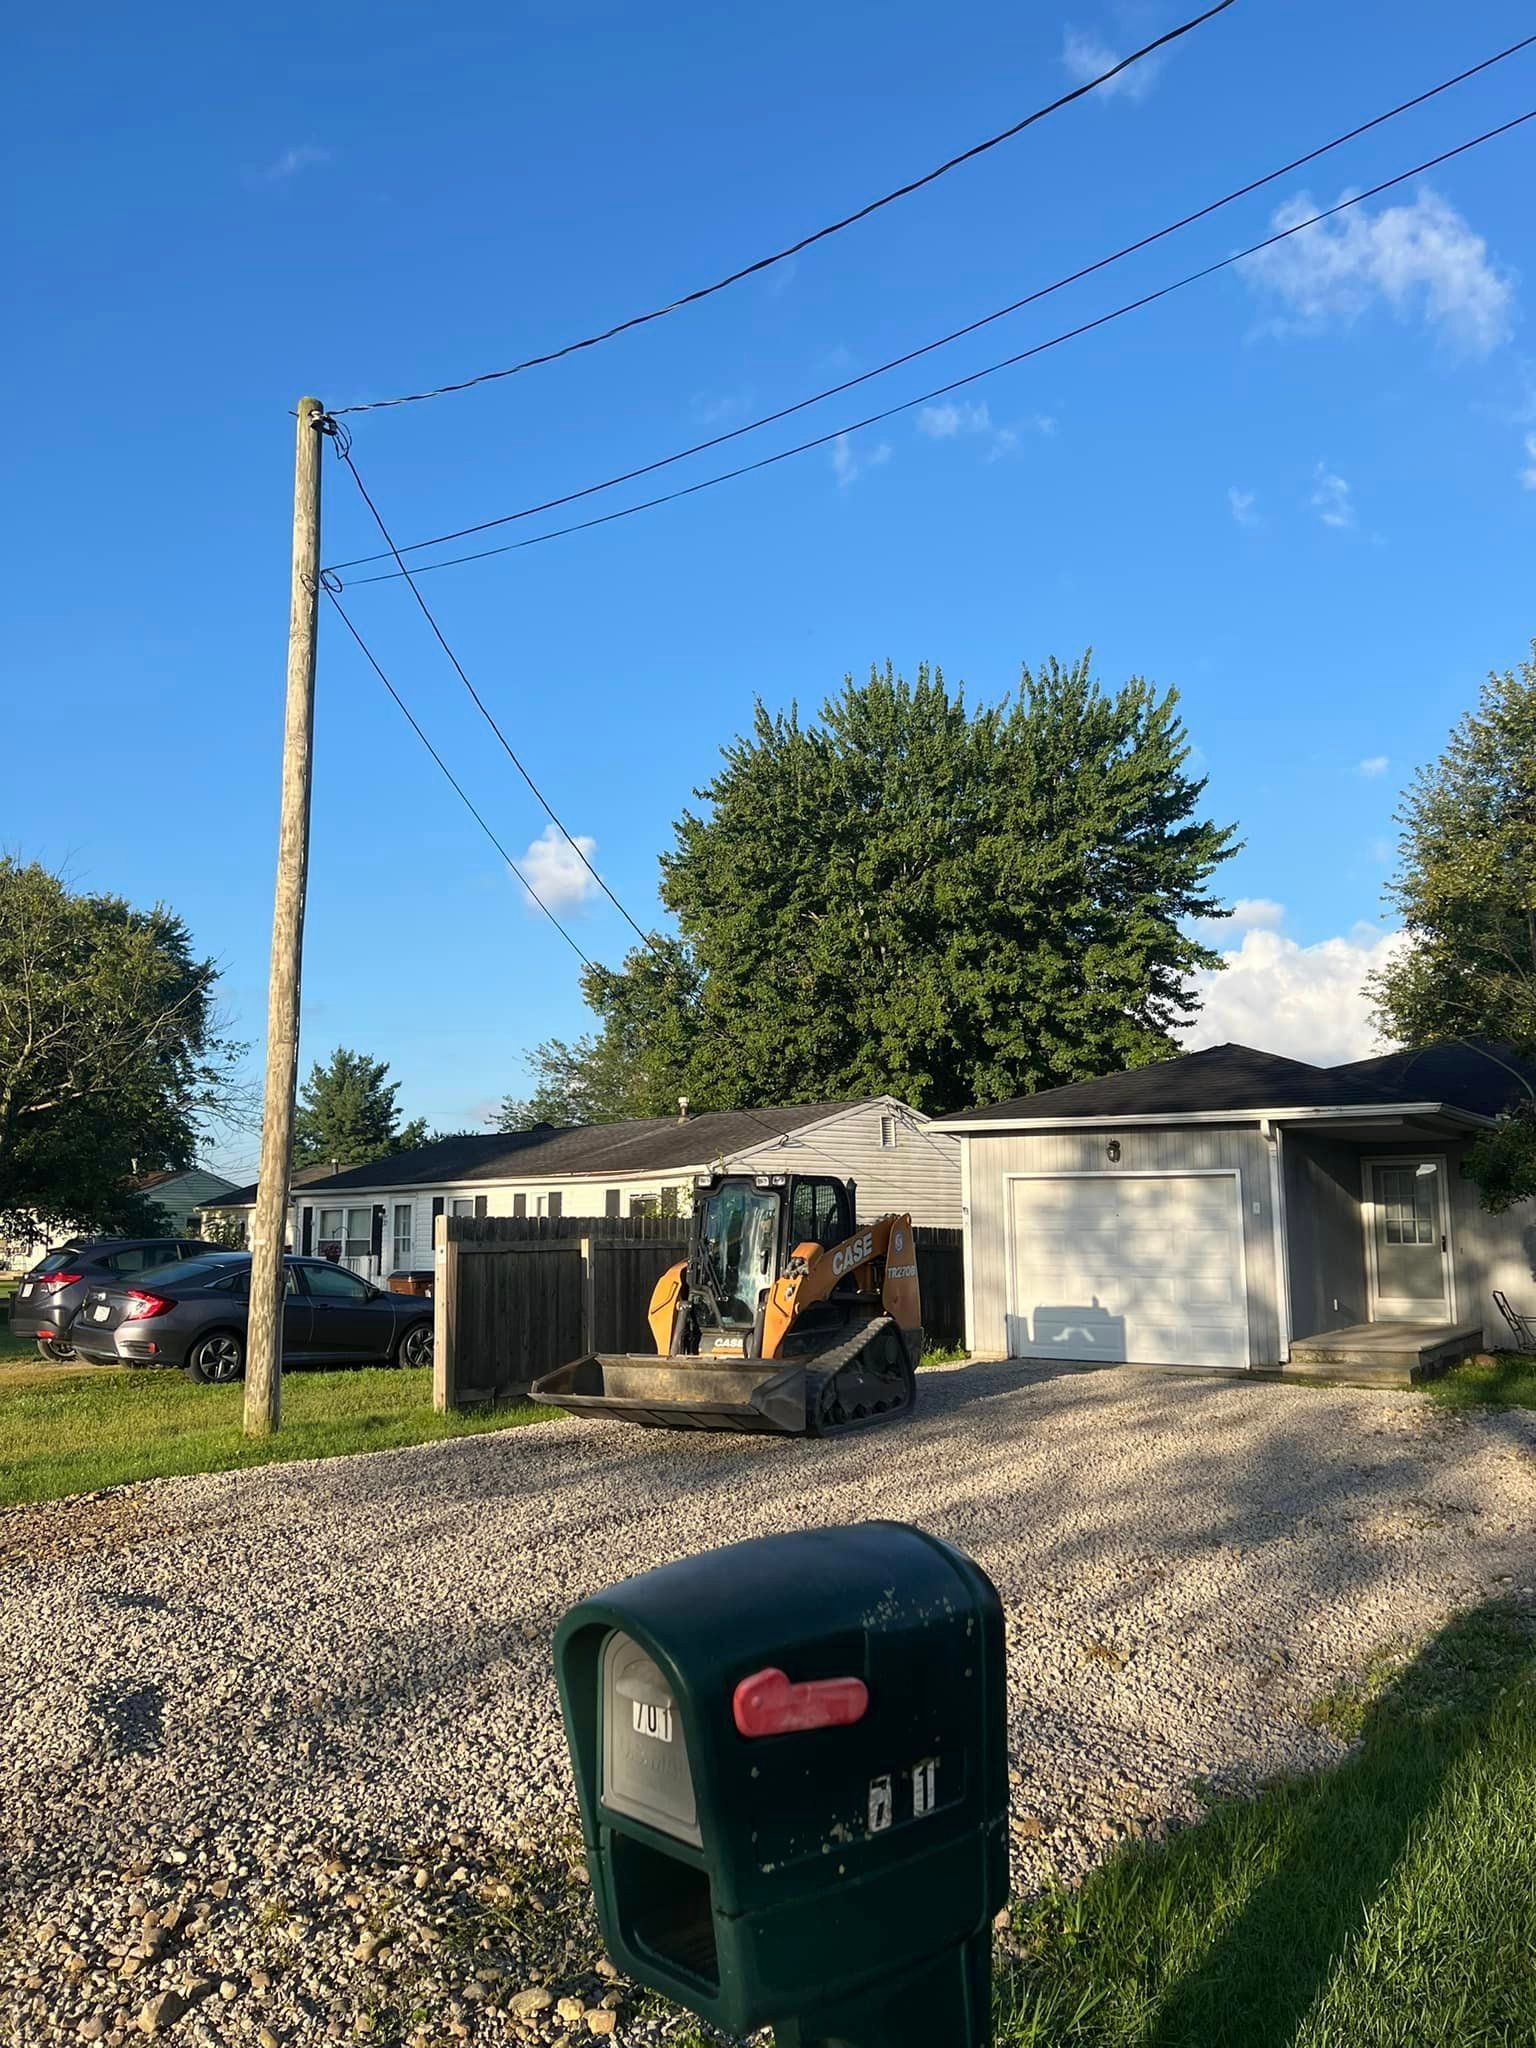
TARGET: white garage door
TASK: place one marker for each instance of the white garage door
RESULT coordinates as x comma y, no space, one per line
1145,1267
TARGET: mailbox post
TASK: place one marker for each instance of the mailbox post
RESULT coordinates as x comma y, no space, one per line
790,1757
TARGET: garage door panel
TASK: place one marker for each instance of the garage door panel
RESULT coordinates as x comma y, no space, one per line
1144,1267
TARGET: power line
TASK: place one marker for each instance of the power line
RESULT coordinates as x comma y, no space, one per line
458,788
959,383
806,241
958,333
344,449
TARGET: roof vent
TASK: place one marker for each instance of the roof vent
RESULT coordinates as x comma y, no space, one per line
682,1109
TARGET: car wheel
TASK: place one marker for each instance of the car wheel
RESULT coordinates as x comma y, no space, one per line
415,1347
216,1359
55,1350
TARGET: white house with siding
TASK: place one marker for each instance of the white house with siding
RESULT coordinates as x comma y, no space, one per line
378,1219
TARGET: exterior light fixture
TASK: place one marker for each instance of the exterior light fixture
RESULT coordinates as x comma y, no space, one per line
1112,1151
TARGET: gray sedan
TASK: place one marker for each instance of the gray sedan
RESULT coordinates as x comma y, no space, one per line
194,1314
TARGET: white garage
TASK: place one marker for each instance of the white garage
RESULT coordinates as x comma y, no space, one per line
1114,1266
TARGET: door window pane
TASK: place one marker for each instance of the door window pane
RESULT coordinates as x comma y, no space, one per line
1407,1199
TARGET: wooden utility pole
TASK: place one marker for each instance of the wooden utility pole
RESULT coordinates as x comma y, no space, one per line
269,1227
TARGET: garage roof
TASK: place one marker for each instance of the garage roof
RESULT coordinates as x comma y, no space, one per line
1233,1078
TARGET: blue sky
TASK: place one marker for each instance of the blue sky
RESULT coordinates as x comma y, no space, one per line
1304,493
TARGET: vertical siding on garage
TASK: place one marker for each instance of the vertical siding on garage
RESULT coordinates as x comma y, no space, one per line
1166,1148
1327,1240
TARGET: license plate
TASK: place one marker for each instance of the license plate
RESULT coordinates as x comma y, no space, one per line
24,1290
100,1312
656,1722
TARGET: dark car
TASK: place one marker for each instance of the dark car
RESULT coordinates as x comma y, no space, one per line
194,1315
49,1296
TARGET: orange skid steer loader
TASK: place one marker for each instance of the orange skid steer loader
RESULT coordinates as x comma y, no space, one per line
786,1317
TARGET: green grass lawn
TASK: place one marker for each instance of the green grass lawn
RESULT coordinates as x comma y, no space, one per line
1386,1904
71,1429
1502,1379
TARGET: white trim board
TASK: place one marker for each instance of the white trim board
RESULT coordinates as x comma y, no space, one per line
1383,1112
1232,1173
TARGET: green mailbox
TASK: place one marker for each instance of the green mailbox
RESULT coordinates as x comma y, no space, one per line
790,1756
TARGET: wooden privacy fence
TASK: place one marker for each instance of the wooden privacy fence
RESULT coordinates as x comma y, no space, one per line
515,1296
941,1280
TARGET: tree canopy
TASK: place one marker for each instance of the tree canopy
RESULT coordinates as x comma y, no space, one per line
111,1060
908,894
346,1113
1466,889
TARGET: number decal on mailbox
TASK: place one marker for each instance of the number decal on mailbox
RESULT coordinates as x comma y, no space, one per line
653,1720
881,1805
924,1796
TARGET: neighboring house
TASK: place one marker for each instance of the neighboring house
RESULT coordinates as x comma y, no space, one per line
181,1192
227,1217
1231,1208
378,1219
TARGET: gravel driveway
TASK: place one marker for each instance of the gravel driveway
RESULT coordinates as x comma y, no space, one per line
327,1688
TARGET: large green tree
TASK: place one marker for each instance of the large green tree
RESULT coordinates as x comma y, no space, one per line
1466,891
912,894
111,1057
346,1113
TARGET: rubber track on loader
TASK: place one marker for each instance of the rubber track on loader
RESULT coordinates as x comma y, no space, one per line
840,1395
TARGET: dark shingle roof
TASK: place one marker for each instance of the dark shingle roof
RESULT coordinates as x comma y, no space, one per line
1236,1077
1478,1074
657,1144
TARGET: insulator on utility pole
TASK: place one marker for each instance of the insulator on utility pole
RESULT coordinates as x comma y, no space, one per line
269,1223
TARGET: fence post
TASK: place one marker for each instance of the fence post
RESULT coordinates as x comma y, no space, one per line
445,1318
588,1298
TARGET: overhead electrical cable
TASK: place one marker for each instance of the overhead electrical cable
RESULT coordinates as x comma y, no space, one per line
458,787
344,450
958,383
957,334
820,234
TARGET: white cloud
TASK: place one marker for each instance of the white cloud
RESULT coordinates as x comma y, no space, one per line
1257,912
307,156
1085,58
1331,498
1305,1002
1241,504
555,871
954,416
849,463
714,409
1374,765
1421,257
1528,474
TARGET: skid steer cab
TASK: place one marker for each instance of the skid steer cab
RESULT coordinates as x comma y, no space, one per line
791,1761
787,1317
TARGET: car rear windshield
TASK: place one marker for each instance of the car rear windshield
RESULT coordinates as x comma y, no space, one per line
57,1261
185,1272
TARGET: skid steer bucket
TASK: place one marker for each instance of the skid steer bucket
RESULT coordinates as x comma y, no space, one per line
866,1379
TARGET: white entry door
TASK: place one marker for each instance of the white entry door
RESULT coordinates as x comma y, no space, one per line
1407,1243
1128,1266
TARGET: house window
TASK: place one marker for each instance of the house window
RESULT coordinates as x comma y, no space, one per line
669,1201
887,1134
611,1202
519,1205
645,1205
461,1205
404,1240
333,1223
556,1204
